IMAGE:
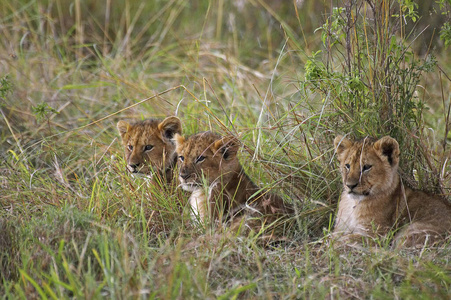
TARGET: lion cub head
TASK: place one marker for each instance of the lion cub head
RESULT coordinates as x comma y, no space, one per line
368,167
148,144
206,156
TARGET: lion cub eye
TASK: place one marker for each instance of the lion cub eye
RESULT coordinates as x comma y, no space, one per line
182,158
148,147
347,166
200,159
130,147
366,168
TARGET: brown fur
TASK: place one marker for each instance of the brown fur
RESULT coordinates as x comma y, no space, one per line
159,156
374,200
210,169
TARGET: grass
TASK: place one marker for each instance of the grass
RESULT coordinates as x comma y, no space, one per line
75,224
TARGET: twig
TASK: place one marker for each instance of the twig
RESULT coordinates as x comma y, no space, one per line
12,132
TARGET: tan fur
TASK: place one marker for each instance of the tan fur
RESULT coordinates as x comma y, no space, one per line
210,169
160,155
374,200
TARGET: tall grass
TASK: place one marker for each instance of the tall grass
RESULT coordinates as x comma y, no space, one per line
74,223
369,66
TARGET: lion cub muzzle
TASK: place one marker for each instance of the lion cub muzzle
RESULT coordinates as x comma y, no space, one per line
188,179
133,168
351,186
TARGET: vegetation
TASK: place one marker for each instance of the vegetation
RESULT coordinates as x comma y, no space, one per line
285,77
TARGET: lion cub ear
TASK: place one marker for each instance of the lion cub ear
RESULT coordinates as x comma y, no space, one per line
179,141
169,127
388,147
122,127
341,144
228,146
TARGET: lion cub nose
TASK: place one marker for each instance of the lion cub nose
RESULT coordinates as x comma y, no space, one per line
185,176
134,166
351,186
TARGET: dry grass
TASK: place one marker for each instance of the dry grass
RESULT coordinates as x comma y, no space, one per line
74,224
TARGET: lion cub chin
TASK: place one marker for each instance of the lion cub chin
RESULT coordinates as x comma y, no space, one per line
149,148
374,200
209,168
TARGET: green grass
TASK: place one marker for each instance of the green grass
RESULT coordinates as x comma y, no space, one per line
75,224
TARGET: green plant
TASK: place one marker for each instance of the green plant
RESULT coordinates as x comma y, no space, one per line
42,111
5,86
445,31
370,75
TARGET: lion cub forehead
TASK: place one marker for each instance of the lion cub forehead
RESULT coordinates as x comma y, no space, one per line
198,143
361,151
150,124
141,132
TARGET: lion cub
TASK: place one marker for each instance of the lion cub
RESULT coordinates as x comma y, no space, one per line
209,168
374,200
149,147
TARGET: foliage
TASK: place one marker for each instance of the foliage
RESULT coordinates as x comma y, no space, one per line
368,67
5,86
445,30
445,34
42,110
